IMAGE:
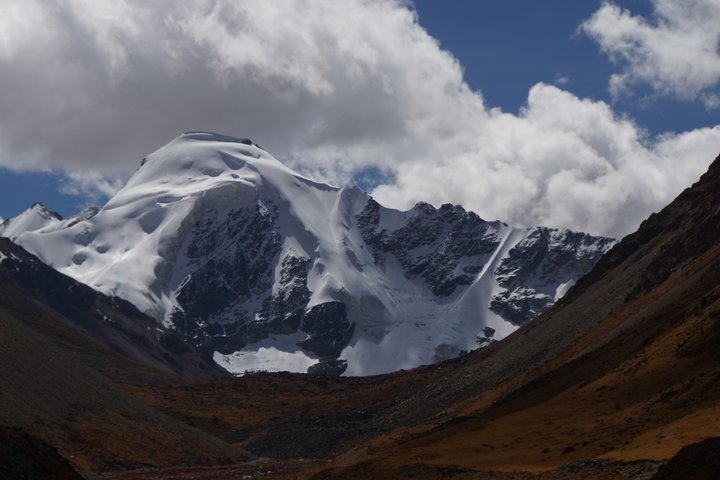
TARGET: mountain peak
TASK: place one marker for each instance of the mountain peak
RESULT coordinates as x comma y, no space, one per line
37,217
40,208
205,150
196,163
215,137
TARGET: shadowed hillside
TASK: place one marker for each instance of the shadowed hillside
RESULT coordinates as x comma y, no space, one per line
60,382
23,457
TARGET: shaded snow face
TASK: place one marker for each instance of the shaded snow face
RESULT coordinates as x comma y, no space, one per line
267,270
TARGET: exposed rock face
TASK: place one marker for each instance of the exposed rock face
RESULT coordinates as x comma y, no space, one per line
542,263
329,368
230,259
433,244
241,288
250,261
328,329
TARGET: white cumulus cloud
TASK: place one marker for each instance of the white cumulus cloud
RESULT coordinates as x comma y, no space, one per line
563,161
337,89
676,52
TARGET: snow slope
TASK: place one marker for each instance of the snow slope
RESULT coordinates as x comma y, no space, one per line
270,270
37,217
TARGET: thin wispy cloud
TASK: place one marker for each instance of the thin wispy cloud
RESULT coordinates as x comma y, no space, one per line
562,80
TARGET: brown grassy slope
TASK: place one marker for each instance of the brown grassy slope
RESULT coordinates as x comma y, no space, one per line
287,415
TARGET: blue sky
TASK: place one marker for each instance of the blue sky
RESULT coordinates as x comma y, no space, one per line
506,47
20,190
354,89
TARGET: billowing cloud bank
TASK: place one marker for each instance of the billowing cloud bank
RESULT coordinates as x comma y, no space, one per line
678,53
335,88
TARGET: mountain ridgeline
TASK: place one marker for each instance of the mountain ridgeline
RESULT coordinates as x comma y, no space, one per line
267,270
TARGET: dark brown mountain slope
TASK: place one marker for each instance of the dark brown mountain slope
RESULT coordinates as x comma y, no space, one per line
27,458
51,393
60,377
111,322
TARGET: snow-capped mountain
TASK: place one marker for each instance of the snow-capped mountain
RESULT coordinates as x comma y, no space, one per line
270,270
